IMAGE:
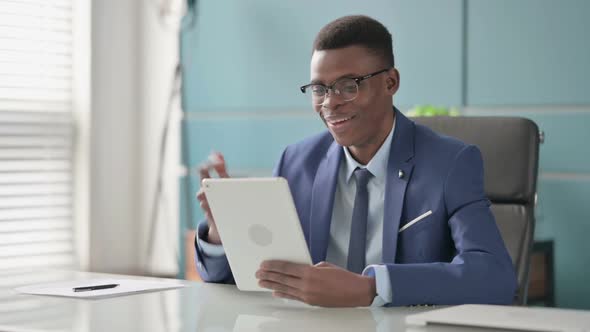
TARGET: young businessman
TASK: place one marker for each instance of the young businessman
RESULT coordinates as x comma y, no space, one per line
393,213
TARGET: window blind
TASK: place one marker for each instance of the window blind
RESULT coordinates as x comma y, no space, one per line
36,134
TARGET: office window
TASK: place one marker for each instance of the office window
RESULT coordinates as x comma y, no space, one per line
37,134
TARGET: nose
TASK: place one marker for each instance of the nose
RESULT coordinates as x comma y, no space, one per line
332,100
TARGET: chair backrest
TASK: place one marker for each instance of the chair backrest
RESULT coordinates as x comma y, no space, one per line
510,150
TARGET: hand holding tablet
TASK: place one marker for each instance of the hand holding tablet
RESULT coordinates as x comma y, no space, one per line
214,162
257,221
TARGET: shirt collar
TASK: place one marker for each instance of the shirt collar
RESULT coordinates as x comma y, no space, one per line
377,165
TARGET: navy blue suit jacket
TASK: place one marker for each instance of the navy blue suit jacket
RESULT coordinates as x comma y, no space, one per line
456,255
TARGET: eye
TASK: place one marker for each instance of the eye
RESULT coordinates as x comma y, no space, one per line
347,86
318,90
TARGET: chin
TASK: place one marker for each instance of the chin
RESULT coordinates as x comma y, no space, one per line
343,141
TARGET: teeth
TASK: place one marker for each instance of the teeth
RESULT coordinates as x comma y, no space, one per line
342,120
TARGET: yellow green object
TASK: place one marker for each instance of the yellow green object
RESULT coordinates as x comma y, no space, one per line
430,110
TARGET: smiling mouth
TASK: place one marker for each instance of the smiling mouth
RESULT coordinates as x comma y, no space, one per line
340,121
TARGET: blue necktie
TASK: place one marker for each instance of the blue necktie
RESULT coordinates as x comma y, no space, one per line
358,230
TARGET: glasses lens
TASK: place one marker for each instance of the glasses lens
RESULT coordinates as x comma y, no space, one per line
317,93
346,88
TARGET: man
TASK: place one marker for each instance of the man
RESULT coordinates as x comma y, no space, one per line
393,213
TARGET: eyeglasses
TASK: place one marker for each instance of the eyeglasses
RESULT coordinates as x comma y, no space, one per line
346,88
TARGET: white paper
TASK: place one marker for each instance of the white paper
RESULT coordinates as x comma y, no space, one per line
126,286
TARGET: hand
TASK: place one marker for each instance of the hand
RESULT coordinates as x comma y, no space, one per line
216,162
323,284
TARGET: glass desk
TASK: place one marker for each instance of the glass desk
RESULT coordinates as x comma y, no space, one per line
196,307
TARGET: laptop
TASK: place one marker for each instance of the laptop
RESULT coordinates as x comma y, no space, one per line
506,317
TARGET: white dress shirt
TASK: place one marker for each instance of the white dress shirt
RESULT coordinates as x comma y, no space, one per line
337,252
342,216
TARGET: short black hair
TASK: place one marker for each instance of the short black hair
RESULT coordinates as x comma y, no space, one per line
356,30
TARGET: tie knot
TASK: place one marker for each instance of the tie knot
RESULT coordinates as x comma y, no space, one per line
362,176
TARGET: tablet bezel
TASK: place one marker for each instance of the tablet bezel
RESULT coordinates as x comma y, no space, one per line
265,202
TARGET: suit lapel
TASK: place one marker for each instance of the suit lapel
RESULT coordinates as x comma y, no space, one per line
399,172
322,202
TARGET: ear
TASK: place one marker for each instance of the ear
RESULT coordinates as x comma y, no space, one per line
392,81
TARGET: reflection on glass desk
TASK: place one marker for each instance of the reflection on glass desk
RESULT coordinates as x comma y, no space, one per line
196,307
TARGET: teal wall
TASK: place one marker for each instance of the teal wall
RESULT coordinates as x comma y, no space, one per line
528,52
243,61
236,46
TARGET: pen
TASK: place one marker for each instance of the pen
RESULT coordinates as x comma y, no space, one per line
95,287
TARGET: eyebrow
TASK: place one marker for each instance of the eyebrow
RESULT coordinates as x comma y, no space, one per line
351,75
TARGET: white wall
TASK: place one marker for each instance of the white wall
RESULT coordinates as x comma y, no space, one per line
158,59
82,114
131,73
114,137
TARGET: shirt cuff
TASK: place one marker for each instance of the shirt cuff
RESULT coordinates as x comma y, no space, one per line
382,283
210,250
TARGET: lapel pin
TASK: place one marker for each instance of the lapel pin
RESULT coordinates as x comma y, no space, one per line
400,174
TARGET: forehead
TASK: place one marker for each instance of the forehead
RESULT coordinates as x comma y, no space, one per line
329,65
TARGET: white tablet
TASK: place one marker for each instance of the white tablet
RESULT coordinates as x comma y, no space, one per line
257,221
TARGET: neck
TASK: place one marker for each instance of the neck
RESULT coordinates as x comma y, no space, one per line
364,153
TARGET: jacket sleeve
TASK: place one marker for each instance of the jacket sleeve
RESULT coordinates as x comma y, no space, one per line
211,268
481,270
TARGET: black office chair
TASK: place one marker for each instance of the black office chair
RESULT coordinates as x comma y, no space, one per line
510,149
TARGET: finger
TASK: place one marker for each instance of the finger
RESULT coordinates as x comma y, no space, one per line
292,269
201,196
205,206
286,296
208,215
280,278
204,171
216,157
279,288
217,161
221,170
